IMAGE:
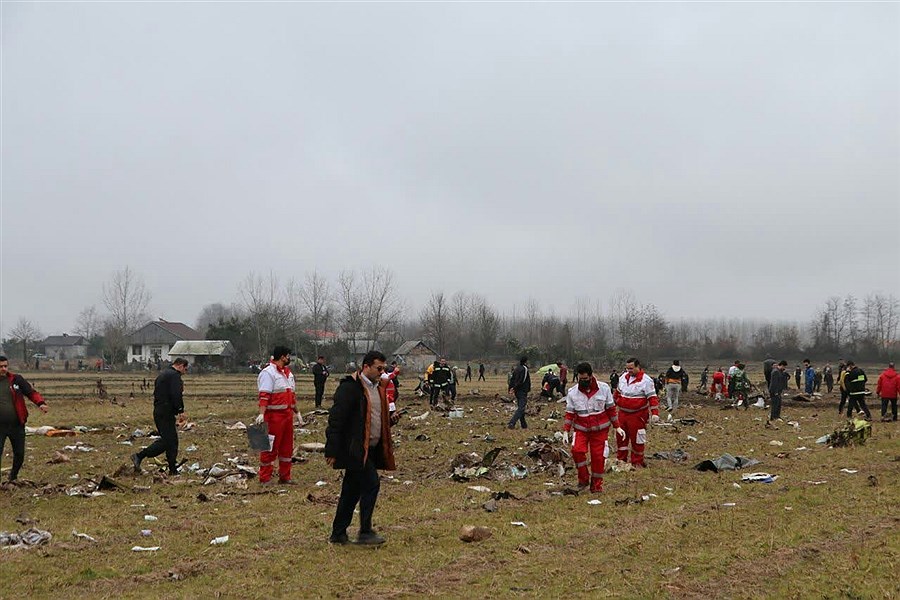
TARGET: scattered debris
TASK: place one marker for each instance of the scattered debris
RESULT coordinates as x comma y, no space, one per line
151,518
678,455
421,417
59,457
518,524
490,506
850,471
144,549
691,438
594,502
82,536
816,482
313,447
237,426
729,504
219,541
726,462
27,539
480,488
474,533
854,432
518,471
614,465
759,478
776,443
873,481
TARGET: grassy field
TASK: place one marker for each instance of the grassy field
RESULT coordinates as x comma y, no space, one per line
793,538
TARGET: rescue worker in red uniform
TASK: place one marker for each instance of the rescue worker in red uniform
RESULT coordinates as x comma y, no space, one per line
637,402
277,407
390,389
717,389
590,411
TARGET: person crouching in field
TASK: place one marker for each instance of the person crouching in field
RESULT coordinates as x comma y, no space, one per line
590,411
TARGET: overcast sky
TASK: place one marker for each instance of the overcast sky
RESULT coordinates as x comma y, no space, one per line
717,159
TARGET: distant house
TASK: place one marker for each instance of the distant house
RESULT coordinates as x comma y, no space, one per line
415,355
154,340
358,349
65,347
203,352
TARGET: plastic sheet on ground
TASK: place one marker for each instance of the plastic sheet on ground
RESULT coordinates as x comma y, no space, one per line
677,455
759,478
726,462
27,539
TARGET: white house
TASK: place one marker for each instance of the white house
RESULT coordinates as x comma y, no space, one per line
154,340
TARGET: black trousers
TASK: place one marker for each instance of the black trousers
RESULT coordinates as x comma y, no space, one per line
361,487
858,402
481,377
16,434
320,392
775,407
844,397
884,405
167,442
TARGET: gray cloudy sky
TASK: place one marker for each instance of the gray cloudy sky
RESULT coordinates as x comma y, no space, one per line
678,150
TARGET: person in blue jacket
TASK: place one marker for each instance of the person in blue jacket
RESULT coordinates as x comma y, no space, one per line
809,376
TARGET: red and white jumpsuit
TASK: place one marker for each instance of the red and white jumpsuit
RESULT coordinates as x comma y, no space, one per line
590,414
636,399
391,389
276,393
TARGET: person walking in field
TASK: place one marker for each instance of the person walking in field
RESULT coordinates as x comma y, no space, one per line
320,376
590,413
519,386
856,389
888,388
168,413
798,375
828,376
13,413
637,404
674,384
481,372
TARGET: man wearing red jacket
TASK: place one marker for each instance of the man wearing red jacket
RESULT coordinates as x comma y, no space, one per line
277,406
637,402
590,411
13,414
887,388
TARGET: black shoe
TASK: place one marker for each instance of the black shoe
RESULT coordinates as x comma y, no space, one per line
510,426
339,539
136,461
369,538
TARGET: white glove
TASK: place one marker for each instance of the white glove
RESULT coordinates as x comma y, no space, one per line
259,419
654,418
566,437
620,432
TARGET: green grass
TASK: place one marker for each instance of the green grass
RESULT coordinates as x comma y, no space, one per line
838,540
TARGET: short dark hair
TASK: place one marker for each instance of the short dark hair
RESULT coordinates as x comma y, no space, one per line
2,358
850,362
523,359
371,356
741,366
676,362
320,357
180,361
280,351
633,361
584,368
782,363
806,360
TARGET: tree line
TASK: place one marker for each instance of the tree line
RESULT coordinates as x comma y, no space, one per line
341,316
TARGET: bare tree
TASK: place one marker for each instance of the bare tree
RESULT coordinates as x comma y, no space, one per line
532,318
382,306
89,324
436,321
486,325
461,310
23,332
272,318
126,297
351,301
315,295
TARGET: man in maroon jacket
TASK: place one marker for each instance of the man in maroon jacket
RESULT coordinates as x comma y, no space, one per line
13,414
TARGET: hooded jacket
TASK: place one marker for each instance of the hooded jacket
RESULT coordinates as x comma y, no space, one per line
675,374
20,389
349,420
888,384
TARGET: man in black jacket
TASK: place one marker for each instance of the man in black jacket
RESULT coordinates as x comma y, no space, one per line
358,439
168,406
856,388
320,374
520,385
440,379
779,380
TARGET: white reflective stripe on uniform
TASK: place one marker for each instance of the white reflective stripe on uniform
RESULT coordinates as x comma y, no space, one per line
276,407
582,464
634,410
268,464
279,390
595,428
596,475
284,459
